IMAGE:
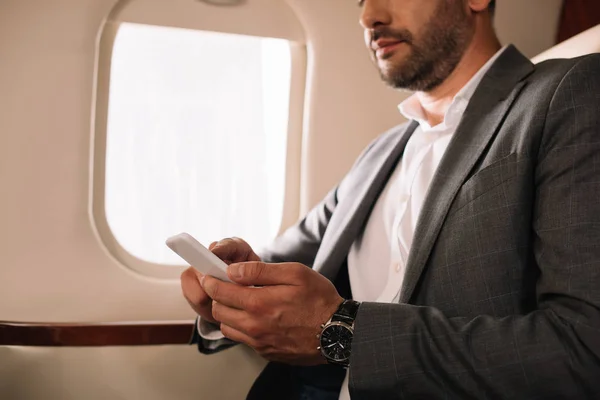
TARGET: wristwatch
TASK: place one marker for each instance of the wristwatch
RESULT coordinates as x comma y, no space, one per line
337,333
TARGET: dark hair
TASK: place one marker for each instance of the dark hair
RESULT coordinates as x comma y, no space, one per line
492,6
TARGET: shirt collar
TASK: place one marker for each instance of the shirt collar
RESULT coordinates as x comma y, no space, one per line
411,108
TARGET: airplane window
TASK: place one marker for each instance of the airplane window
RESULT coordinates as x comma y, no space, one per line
197,137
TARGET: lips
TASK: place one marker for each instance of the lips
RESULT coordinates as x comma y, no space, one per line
385,47
383,43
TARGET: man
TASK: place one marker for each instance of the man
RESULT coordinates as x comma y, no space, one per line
469,238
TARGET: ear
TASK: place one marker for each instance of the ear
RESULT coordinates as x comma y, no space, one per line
478,6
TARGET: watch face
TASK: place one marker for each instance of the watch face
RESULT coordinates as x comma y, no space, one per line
336,342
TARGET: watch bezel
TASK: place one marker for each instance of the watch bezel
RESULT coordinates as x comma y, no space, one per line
322,349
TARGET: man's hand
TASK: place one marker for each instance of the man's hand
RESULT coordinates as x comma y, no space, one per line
233,250
280,319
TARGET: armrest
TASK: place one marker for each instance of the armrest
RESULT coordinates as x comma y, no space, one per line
95,334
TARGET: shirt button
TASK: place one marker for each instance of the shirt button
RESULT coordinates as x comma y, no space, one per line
397,267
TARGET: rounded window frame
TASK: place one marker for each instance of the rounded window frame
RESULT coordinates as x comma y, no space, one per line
108,34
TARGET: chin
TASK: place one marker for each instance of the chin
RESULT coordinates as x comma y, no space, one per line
392,64
387,72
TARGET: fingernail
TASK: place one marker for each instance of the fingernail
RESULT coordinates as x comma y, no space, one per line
202,281
236,270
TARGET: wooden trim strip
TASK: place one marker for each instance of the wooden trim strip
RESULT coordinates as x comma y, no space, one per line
94,335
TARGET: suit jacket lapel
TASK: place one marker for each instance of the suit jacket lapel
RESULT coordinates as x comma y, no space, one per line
483,116
352,212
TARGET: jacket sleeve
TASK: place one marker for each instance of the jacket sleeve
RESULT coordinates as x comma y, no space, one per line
403,351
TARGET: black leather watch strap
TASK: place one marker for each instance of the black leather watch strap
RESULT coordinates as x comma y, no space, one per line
346,312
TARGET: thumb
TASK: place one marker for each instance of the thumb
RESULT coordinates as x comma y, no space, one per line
256,273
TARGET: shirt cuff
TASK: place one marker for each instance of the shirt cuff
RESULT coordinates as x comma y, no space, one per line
208,330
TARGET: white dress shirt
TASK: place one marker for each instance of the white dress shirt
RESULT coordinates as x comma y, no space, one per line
377,259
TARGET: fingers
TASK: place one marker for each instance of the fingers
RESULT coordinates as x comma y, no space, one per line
234,250
195,294
263,349
191,287
237,336
234,318
230,294
263,274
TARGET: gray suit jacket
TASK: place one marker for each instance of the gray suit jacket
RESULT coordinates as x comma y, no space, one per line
501,298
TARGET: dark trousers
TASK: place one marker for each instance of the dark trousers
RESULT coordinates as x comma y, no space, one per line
284,382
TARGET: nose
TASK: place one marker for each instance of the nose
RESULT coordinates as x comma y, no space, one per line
375,13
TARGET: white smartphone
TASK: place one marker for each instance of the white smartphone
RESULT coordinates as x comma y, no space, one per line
198,256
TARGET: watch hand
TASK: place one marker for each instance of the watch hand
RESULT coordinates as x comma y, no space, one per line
342,346
331,345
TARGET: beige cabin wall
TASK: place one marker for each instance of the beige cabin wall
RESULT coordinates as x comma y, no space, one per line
531,25
124,373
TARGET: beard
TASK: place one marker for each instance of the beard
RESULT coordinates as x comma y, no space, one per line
434,55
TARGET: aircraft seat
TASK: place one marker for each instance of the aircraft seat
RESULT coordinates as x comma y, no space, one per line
587,42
